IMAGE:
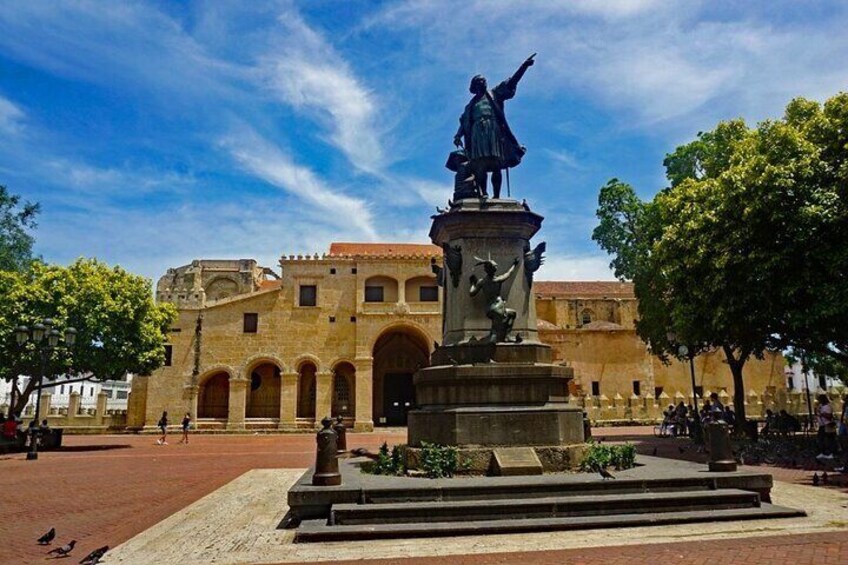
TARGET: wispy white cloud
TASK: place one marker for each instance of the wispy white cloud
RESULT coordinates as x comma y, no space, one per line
147,241
649,62
103,43
111,181
306,72
11,117
564,157
263,159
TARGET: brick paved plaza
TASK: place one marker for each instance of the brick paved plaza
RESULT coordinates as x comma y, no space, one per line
106,489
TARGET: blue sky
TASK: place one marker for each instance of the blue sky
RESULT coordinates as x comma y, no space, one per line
156,133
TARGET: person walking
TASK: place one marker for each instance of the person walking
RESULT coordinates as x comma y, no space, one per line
827,428
163,426
185,424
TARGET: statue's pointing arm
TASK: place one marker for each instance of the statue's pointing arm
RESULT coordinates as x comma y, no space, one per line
506,89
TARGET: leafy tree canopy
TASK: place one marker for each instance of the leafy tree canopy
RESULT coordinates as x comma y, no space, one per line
120,328
747,249
15,241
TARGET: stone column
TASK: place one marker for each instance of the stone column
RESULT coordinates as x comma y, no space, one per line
191,393
288,401
364,395
323,395
73,404
401,292
45,406
238,403
100,410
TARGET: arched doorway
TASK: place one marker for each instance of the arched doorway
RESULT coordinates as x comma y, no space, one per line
397,355
306,390
263,392
344,390
213,397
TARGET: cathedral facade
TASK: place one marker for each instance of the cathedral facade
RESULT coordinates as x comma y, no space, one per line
342,334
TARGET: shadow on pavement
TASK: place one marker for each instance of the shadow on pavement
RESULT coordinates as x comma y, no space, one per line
80,448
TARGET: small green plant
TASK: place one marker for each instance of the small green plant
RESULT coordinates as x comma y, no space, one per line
388,462
618,456
439,461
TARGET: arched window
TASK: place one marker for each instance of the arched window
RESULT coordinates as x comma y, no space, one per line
586,317
381,289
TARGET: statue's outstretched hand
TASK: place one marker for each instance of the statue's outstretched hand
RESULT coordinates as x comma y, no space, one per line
529,61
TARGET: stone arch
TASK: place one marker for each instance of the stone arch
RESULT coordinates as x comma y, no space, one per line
263,390
213,394
389,284
587,316
404,326
221,287
307,358
255,360
413,285
399,350
344,389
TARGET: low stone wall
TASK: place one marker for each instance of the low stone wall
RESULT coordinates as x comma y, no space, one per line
601,410
74,419
618,410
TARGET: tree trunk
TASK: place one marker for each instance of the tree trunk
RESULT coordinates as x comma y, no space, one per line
736,366
23,398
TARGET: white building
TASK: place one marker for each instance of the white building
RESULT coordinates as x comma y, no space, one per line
117,392
796,380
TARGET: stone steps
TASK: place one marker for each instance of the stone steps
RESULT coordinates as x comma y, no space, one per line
541,507
319,530
540,489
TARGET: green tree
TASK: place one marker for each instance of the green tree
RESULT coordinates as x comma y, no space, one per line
15,241
747,249
120,328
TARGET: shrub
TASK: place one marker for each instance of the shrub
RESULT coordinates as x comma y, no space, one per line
439,461
618,456
388,462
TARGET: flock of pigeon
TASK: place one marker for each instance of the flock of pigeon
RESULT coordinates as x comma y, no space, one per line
65,551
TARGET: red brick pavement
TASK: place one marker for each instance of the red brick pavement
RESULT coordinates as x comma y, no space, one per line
812,549
103,490
106,489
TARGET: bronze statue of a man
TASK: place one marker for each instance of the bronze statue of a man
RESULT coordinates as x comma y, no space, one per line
502,317
489,143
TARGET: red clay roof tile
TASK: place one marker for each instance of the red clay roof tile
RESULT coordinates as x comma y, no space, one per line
583,289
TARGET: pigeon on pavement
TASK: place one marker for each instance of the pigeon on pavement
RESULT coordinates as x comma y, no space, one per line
94,557
604,473
65,550
48,537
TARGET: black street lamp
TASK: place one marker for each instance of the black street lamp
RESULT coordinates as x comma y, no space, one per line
44,347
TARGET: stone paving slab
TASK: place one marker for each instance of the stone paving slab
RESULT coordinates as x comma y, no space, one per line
237,525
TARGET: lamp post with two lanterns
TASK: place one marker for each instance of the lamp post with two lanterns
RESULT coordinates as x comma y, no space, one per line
37,334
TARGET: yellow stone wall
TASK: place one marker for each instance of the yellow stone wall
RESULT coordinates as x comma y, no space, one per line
606,350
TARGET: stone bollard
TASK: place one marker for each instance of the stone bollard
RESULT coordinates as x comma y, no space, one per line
721,452
341,435
326,463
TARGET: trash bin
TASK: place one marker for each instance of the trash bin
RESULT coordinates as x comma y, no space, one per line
52,439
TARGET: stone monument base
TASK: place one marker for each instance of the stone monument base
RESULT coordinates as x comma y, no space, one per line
482,460
554,424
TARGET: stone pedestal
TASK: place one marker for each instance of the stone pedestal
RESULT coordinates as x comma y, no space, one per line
477,392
